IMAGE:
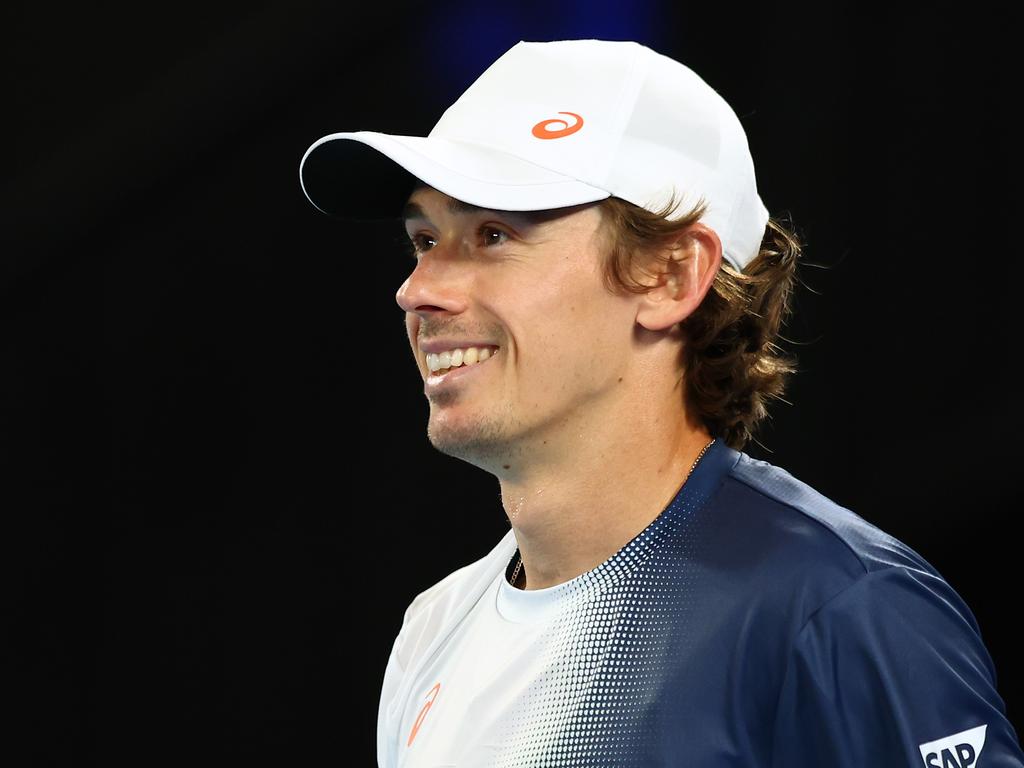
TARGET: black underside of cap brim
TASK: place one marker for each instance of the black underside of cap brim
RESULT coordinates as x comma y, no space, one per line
351,180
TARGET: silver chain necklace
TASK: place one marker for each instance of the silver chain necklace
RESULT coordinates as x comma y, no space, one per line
515,573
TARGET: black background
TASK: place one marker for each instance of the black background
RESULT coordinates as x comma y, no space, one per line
220,495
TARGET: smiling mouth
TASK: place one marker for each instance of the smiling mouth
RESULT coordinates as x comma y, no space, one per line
465,359
442,374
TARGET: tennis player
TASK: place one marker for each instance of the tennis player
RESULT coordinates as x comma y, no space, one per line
597,293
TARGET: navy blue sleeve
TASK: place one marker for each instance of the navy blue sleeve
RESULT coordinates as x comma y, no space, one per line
892,671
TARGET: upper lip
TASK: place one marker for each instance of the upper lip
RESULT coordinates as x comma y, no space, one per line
440,345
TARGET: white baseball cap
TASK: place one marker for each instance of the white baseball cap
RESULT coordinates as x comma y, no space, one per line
554,124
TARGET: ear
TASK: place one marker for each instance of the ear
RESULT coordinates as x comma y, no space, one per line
691,261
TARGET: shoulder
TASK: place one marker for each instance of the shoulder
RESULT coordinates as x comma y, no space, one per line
820,519
802,549
877,654
437,607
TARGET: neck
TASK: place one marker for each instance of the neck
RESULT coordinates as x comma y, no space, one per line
569,523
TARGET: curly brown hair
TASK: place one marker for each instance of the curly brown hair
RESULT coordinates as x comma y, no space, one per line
731,362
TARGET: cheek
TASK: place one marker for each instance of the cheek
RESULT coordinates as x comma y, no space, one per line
578,330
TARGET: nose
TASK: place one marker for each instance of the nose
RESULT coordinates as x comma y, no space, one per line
434,284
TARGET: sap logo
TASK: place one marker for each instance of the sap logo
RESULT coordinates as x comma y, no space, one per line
958,750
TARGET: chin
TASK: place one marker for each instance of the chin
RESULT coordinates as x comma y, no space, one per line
478,443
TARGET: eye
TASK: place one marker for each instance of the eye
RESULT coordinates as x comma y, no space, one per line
417,243
487,231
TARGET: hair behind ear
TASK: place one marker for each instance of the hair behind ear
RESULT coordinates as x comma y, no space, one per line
731,363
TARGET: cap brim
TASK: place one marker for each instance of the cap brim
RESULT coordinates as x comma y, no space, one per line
368,175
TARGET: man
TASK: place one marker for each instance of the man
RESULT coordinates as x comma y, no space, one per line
596,294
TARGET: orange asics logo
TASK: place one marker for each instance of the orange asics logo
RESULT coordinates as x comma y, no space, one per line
423,713
541,130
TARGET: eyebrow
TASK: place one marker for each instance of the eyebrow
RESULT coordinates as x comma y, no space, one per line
415,211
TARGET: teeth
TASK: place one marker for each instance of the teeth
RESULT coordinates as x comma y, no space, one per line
453,358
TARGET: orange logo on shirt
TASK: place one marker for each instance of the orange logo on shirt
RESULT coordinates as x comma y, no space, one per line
423,713
541,130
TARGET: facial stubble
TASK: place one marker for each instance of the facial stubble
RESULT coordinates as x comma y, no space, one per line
482,438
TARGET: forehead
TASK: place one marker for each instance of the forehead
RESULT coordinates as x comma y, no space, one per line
416,208
424,199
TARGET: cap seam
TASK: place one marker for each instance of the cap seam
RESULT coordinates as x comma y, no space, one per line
632,89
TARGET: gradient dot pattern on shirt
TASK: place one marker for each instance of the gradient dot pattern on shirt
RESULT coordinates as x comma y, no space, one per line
610,651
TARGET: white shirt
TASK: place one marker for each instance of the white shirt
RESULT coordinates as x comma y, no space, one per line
501,685
462,710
